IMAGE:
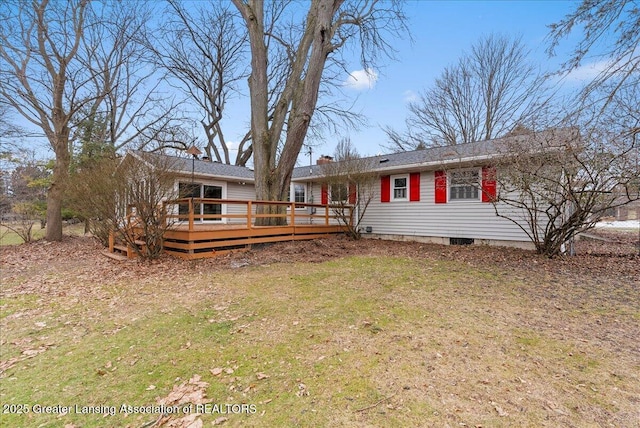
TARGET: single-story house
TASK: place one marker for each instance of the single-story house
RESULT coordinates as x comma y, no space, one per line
441,194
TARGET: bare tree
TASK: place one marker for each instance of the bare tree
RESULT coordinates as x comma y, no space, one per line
9,131
483,96
25,216
144,183
350,181
92,194
24,197
611,35
67,63
203,50
43,79
134,109
328,27
558,186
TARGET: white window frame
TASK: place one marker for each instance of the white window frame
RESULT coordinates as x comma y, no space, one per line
201,184
292,194
345,187
450,185
393,187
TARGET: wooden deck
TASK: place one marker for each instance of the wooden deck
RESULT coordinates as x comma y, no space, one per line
200,228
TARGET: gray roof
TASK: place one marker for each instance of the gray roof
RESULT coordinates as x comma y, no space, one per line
436,157
431,158
201,168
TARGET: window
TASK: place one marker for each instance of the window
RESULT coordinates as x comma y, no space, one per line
399,187
188,190
213,192
405,187
463,185
339,193
198,190
299,194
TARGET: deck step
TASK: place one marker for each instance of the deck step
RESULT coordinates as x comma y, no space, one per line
115,256
121,248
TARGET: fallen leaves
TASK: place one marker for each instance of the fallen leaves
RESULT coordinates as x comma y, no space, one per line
523,267
220,420
25,355
191,391
499,409
37,261
190,421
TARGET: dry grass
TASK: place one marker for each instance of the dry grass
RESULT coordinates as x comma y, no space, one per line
9,237
371,338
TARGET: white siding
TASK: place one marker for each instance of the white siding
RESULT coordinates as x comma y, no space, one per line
425,218
239,191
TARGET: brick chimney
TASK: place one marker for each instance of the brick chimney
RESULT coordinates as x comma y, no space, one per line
324,160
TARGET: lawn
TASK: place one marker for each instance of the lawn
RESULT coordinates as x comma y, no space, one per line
9,237
385,334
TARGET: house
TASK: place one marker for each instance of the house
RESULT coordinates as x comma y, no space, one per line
442,195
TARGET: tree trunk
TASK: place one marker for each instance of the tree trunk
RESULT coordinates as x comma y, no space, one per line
270,191
54,213
55,194
296,103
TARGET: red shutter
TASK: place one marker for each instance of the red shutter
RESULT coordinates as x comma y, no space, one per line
385,188
324,195
441,187
352,193
414,186
488,184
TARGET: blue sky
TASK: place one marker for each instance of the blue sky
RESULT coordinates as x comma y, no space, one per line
442,31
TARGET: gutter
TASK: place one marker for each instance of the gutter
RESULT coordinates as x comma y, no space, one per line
220,177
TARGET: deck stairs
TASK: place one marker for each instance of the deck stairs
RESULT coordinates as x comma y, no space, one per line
122,251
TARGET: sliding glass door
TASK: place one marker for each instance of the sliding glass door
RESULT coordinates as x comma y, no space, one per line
199,190
214,192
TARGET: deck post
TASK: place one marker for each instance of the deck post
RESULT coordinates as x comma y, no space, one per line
191,215
293,213
249,211
112,241
326,215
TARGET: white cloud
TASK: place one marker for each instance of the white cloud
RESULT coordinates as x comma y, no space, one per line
587,72
409,96
361,80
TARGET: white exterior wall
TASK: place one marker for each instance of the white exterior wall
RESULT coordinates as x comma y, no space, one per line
313,195
426,219
239,191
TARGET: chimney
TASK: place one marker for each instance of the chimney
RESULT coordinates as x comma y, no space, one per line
324,160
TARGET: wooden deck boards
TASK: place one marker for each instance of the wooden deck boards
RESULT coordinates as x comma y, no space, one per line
196,239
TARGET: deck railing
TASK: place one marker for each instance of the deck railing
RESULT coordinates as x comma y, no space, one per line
192,211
